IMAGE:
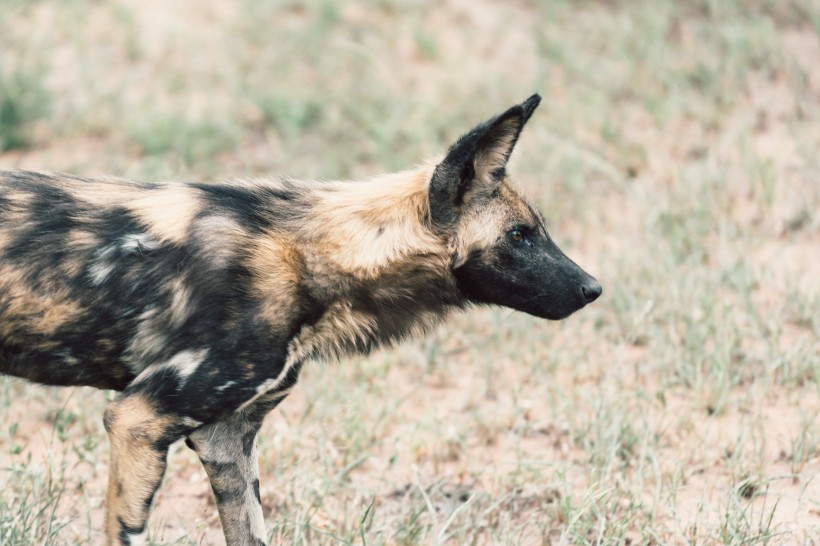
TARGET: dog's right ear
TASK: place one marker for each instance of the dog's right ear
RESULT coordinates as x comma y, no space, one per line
476,164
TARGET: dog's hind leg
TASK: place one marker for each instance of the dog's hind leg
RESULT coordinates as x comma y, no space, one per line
139,436
227,450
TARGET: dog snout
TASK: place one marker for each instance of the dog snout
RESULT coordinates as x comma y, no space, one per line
591,290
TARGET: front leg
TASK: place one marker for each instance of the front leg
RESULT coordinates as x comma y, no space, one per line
227,450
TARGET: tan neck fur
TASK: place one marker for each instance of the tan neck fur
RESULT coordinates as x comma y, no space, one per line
364,226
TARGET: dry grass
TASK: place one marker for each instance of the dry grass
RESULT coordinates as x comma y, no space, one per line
677,156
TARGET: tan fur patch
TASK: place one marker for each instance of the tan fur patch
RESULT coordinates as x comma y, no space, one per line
363,226
135,418
220,237
20,200
101,192
16,217
134,427
167,211
81,239
489,159
277,266
41,312
521,211
482,226
73,266
5,239
341,324
180,302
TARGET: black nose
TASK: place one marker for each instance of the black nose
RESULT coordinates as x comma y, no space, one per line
591,290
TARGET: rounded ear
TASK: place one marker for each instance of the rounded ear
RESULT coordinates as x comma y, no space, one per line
476,164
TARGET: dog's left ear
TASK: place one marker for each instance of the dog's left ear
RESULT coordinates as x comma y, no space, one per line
475,165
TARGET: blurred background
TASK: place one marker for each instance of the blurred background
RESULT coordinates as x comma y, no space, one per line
676,155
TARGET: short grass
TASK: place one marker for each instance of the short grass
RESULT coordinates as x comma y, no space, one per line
677,157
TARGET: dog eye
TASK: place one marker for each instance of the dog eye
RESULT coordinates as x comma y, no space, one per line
516,235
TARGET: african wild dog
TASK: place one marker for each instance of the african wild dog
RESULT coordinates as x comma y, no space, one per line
200,302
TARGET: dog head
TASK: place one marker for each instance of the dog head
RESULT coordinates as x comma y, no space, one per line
501,251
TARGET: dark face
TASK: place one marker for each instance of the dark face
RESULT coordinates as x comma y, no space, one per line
526,271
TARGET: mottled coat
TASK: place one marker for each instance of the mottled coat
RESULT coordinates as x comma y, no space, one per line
200,302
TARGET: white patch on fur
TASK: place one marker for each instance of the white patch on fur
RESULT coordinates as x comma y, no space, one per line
138,242
191,422
184,363
102,268
70,360
99,272
149,339
225,386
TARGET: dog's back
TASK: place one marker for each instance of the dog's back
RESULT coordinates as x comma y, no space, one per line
101,278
